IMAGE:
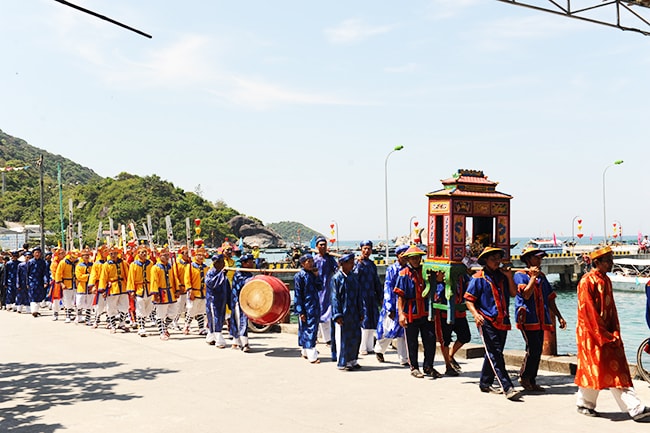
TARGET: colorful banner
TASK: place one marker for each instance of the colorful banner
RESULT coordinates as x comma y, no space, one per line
14,168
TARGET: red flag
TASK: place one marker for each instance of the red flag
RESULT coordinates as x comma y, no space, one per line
554,239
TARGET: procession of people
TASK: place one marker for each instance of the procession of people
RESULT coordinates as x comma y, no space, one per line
342,302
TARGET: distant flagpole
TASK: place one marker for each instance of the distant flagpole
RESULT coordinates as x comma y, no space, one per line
58,177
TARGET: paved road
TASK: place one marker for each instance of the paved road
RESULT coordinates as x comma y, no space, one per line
57,377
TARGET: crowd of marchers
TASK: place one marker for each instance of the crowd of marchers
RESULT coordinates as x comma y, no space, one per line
342,302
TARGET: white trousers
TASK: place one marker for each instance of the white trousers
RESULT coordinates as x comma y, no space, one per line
84,301
68,298
382,345
625,397
325,331
311,354
367,340
100,307
195,307
143,306
217,338
181,306
116,304
164,311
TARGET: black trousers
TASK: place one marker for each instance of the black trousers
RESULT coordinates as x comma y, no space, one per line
424,328
534,343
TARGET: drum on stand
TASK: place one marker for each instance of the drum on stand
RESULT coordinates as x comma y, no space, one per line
265,299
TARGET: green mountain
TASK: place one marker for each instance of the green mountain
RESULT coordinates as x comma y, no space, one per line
126,198
294,232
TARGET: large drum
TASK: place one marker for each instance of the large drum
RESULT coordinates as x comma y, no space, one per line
265,299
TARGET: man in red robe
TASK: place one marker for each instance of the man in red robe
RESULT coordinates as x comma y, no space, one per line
601,357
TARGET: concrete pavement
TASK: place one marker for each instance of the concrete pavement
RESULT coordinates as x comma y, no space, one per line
57,377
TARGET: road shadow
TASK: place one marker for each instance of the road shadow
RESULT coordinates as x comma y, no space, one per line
29,390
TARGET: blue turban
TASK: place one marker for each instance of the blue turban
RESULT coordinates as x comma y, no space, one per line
366,244
320,239
399,250
346,258
305,257
217,257
36,249
245,257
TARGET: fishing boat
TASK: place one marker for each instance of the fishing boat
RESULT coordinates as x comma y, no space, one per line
549,246
630,275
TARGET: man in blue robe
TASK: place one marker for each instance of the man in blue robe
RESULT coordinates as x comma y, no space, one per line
239,319
347,313
413,306
371,296
487,298
10,278
388,328
217,296
22,286
535,298
38,279
307,287
327,266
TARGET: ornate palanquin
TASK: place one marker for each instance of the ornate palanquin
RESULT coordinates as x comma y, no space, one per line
465,216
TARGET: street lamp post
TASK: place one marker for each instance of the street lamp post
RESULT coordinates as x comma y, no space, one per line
411,227
573,225
395,149
618,162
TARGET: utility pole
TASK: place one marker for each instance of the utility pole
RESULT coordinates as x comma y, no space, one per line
42,210
58,176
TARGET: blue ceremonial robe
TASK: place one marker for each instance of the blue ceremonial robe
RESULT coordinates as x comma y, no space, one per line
217,295
371,292
238,328
38,278
11,280
347,304
528,311
326,267
387,327
307,288
22,288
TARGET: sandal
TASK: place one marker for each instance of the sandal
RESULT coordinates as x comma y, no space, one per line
417,373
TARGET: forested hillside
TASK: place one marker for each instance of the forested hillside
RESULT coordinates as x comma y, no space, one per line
293,232
125,198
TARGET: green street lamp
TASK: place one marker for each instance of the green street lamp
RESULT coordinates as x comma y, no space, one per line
618,162
395,149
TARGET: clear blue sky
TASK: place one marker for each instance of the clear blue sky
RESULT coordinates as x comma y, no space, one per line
286,110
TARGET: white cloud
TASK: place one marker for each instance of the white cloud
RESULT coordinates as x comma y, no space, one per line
182,62
261,95
191,63
354,30
185,65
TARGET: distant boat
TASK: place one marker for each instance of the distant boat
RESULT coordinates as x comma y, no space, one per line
630,275
549,246
618,248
